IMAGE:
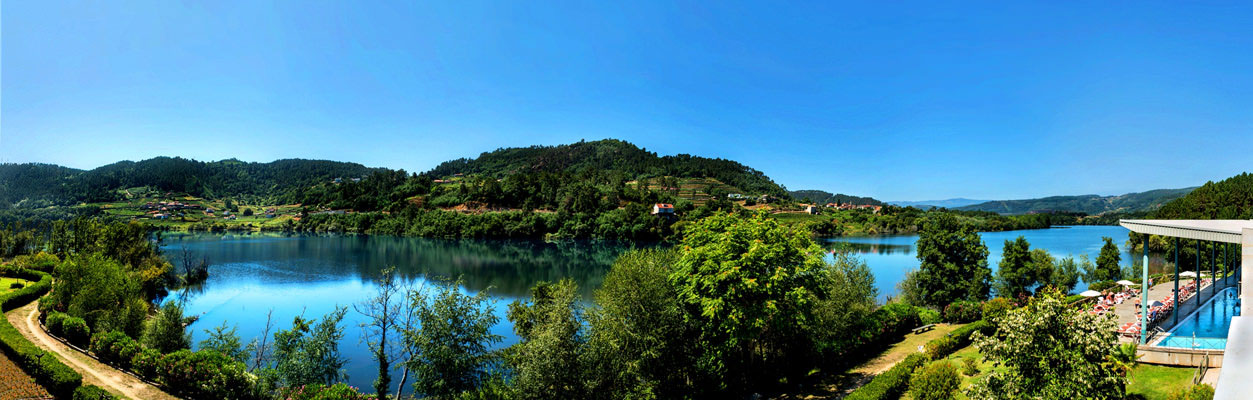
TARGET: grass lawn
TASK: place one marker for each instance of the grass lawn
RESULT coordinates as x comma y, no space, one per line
1157,382
5,282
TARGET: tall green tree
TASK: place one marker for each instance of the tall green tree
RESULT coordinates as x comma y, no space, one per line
1016,272
166,332
1107,262
308,352
381,313
954,262
1063,274
1050,350
545,362
452,341
749,284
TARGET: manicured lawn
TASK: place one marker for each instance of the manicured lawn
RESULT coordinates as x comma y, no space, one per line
1157,382
5,282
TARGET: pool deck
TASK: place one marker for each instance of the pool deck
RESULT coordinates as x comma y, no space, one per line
1126,312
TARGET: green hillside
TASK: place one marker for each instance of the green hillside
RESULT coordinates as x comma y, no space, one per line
1088,204
609,157
824,197
1231,198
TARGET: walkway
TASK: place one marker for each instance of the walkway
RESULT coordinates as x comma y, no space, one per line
94,372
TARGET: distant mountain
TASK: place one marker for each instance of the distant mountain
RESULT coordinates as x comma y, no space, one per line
949,203
1089,204
609,156
824,197
38,185
1231,198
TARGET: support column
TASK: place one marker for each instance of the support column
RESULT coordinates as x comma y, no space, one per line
1175,307
1213,264
1246,256
1196,280
1144,293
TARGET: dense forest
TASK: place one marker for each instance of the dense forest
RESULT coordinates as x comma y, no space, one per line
1088,204
1231,198
282,181
824,197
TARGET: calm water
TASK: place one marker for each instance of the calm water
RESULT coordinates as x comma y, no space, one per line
890,257
311,275
1208,324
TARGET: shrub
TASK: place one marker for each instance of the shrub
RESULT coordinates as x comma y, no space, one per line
42,262
937,381
204,374
1101,286
92,392
76,331
970,366
54,323
323,392
114,348
928,316
959,338
16,285
963,311
996,308
147,363
891,383
1196,392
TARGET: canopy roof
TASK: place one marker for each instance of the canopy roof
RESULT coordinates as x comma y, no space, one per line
1215,230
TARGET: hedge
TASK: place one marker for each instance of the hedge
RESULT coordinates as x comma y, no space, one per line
92,392
891,384
60,380
55,322
957,339
76,331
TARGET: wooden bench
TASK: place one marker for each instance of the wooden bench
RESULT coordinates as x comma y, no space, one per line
924,328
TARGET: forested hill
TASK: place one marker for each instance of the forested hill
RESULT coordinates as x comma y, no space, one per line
609,157
38,185
1231,198
1088,204
824,197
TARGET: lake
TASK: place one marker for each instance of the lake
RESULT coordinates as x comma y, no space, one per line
251,274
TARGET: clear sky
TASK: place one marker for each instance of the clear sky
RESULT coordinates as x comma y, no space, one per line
901,101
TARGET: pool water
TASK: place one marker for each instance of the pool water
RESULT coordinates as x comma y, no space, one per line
1207,327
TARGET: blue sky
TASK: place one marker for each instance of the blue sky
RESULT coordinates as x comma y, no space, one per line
897,100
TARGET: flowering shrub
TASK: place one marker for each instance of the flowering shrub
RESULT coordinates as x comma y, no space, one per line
76,331
963,311
322,392
147,363
205,374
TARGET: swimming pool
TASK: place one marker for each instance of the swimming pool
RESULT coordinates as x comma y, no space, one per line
1207,327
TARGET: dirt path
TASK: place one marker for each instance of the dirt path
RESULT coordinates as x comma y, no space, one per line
94,372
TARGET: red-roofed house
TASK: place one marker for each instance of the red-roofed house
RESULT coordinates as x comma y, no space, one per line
663,208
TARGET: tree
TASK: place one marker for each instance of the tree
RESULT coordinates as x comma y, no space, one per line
226,341
167,333
308,353
248,212
380,326
639,341
1062,275
1051,350
1016,272
954,262
452,342
545,362
749,284
1107,262
847,296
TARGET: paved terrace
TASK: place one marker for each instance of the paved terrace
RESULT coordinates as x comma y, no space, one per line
1126,312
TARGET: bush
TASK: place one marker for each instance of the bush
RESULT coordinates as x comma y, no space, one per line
147,363
204,374
963,312
957,339
996,308
1101,286
42,262
76,331
937,381
970,366
54,323
323,392
115,348
1196,392
928,316
891,383
92,392
16,285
